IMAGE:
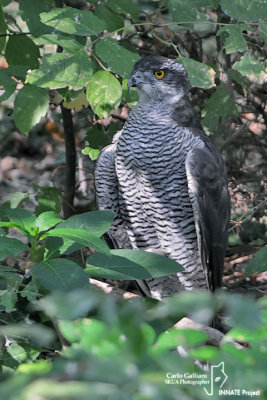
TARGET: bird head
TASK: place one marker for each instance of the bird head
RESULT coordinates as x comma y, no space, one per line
158,78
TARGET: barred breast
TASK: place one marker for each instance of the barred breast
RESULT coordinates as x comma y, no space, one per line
153,197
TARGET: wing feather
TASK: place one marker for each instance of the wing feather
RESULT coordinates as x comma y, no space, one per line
207,183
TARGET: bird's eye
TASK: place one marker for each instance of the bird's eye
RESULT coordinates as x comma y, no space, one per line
159,73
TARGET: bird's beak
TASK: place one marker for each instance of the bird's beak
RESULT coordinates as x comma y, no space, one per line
134,81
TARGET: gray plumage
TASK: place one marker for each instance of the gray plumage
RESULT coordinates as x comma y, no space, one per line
166,181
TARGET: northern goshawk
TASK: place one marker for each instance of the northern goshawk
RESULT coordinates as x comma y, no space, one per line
166,182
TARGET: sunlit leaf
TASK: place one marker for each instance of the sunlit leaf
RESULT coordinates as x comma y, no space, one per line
60,70
73,21
104,93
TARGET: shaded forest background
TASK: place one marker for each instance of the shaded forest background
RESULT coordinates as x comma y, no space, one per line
64,67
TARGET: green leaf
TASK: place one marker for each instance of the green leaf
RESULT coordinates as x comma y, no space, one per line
237,77
10,247
233,39
23,352
47,220
104,93
112,20
3,28
80,236
73,21
258,263
200,75
69,44
124,7
8,84
30,12
22,218
92,153
245,10
182,11
178,337
74,304
11,277
242,312
38,334
30,291
131,97
60,274
130,265
8,299
249,66
16,199
205,353
116,57
48,199
60,70
31,104
219,105
94,222
263,30
21,50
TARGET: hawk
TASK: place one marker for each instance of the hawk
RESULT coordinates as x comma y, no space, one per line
166,181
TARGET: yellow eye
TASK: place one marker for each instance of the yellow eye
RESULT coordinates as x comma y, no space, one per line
159,73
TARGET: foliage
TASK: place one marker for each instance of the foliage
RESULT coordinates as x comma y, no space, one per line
60,337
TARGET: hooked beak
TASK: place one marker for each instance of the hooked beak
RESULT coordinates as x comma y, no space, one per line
134,81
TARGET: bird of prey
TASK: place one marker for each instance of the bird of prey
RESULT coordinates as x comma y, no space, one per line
166,182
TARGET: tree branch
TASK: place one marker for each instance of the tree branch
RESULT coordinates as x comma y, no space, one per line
70,170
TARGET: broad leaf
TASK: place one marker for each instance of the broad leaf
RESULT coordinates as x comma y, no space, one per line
48,198
46,220
112,19
73,21
10,247
92,153
38,334
173,338
200,75
205,353
21,50
94,222
131,97
3,28
69,44
116,57
131,265
60,70
248,66
124,7
8,84
182,11
258,263
233,39
8,299
60,274
79,236
31,104
104,93
219,105
245,10
22,218
30,12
